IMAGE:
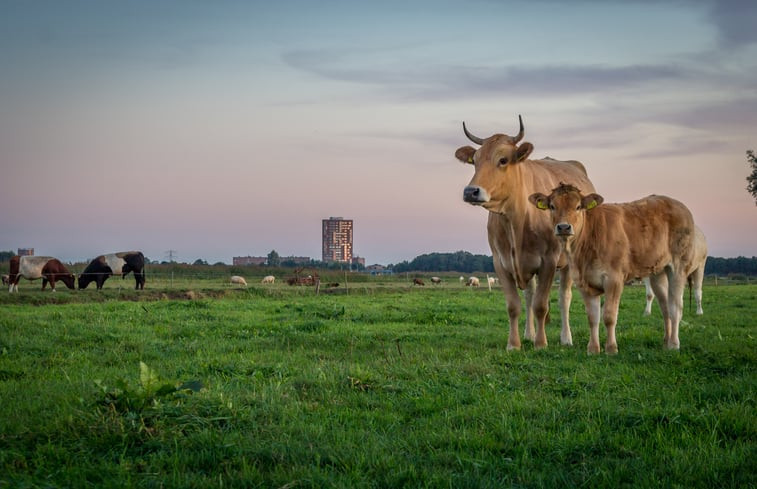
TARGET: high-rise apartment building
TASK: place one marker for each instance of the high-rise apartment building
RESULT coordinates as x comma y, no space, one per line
337,239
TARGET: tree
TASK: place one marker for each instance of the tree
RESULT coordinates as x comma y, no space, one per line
200,261
6,255
274,260
752,179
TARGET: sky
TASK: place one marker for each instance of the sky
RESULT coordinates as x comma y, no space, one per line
232,128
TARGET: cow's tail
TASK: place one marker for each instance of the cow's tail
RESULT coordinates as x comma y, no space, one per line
691,283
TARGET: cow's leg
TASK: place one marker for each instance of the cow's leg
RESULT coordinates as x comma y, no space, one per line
512,298
529,332
696,282
593,307
650,297
541,306
44,283
676,287
566,295
613,293
659,284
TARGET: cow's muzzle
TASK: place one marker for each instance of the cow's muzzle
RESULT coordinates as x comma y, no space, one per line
563,229
473,194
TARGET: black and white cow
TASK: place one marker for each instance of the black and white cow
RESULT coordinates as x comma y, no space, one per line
120,263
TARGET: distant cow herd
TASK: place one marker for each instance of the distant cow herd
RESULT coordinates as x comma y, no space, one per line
51,270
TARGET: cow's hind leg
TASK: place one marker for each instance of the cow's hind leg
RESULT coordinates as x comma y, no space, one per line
613,293
676,287
659,284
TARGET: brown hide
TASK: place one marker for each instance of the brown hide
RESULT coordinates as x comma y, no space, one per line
609,244
521,237
53,271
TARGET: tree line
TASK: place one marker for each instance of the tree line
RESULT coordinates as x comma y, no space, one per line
465,262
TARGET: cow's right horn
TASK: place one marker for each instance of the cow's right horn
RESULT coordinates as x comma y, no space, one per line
520,133
470,136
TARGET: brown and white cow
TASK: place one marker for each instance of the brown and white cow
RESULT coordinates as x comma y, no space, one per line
521,238
47,268
609,244
695,279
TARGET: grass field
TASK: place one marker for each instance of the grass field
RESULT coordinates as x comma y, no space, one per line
198,384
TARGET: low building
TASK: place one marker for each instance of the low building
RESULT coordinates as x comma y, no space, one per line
249,260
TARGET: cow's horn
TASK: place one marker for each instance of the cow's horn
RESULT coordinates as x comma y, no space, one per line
520,133
470,136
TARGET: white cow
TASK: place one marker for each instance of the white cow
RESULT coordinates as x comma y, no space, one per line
237,280
268,279
473,282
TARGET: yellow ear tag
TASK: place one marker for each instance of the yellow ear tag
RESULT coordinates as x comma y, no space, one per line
591,205
540,204
470,160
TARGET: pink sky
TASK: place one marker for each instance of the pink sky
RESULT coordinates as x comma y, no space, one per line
232,129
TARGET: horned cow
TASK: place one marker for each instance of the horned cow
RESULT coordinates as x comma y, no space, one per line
47,268
609,244
524,248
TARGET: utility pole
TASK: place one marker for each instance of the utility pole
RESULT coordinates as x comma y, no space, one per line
171,255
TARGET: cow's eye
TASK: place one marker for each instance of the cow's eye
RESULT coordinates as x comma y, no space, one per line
551,207
503,161
578,207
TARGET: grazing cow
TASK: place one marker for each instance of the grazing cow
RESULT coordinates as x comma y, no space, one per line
237,280
47,268
522,240
6,279
473,282
436,280
695,279
268,279
417,281
120,263
609,244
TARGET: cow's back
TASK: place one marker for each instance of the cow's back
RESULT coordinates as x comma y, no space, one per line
636,239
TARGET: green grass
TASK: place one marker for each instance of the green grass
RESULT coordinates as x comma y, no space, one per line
385,386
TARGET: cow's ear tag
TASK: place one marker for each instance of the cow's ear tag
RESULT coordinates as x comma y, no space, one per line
470,160
591,205
541,205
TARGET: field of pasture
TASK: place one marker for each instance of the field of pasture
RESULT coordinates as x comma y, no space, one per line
375,383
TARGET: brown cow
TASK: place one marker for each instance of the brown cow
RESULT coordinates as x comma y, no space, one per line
521,238
609,244
47,268
417,281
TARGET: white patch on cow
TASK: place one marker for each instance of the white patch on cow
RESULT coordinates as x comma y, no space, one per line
115,262
30,267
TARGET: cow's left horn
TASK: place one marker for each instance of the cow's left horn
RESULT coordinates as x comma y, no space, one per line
520,133
470,136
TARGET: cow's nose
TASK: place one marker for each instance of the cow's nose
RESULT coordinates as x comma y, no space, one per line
564,229
474,194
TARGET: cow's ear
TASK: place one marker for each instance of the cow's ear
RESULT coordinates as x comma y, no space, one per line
591,201
465,154
523,151
541,201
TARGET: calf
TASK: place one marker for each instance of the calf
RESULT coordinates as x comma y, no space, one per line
606,245
6,279
47,268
